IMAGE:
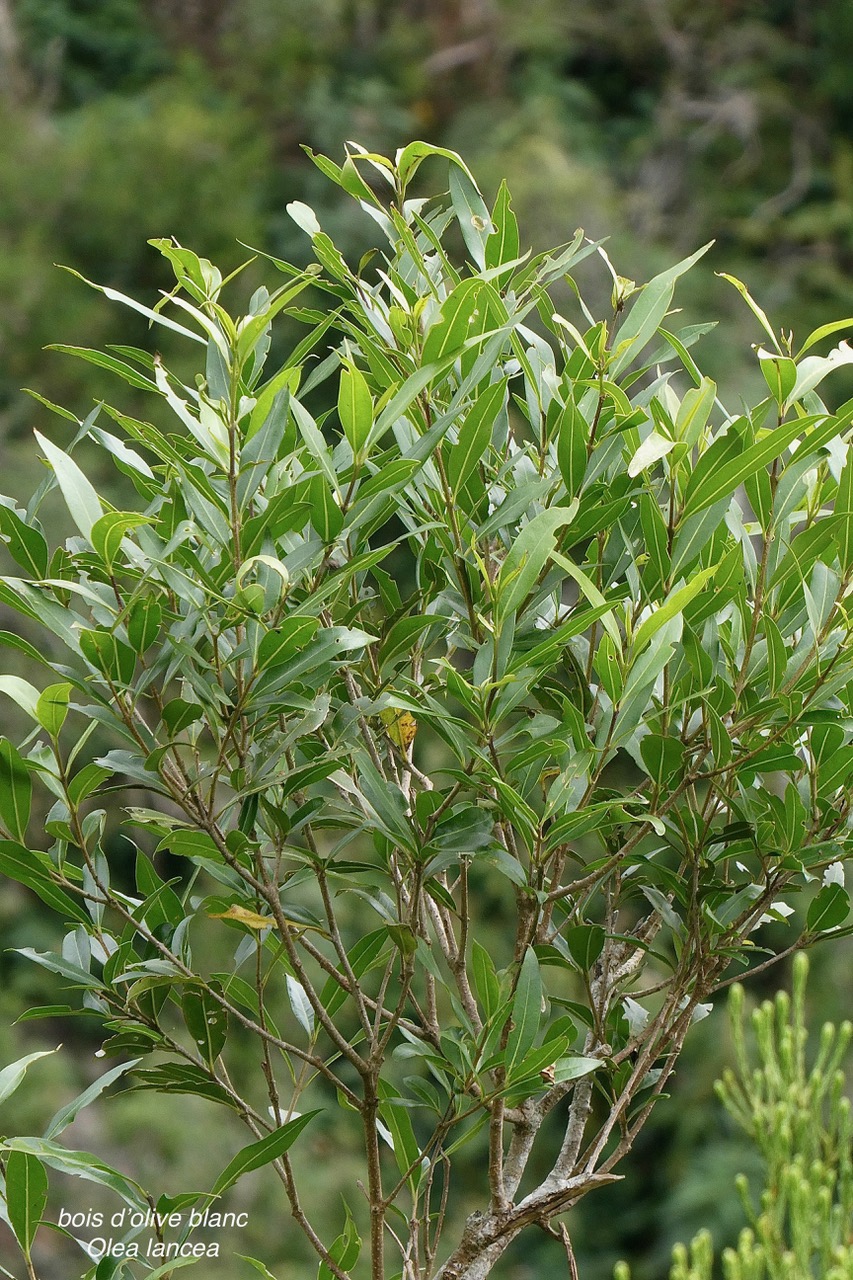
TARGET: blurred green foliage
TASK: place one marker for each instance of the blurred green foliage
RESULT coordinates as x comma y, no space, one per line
662,122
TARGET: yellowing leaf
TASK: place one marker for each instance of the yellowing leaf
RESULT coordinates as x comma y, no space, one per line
401,726
254,920
244,916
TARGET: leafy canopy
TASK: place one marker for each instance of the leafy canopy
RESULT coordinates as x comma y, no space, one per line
460,610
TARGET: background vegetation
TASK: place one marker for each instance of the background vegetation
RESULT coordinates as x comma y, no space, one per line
657,122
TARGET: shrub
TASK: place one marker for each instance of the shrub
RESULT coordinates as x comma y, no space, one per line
522,623
795,1112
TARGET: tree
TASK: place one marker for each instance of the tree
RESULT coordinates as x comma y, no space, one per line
523,622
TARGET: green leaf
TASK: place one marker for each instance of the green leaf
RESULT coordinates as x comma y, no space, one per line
471,213
143,623
83,503
107,533
780,374
844,509
345,1250
85,782
109,655
260,1153
466,829
708,486
164,1272
11,1076
178,714
405,397
486,982
401,639
777,656
663,756
65,1115
56,964
573,433
812,371
753,306
367,954
395,1115
290,637
694,412
573,1068
355,408
672,606
52,708
21,692
601,608
183,1077
259,1266
156,317
450,331
207,1022
475,434
412,156
186,843
387,805
824,331
16,790
34,870
828,909
26,544
647,313
585,943
527,557
26,1196
652,449
40,1011
526,1009
104,361
79,1164
503,244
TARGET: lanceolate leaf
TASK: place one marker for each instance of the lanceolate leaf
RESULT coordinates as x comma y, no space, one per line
585,942
300,1004
675,604
34,871
486,982
56,964
527,558
345,1250
83,503
503,244
207,1022
475,434
355,407
15,791
828,909
526,1009
260,1153
21,692
80,1164
648,311
725,479
26,1196
65,1115
11,1076
259,1266
25,542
